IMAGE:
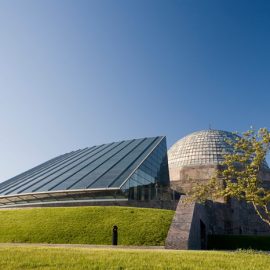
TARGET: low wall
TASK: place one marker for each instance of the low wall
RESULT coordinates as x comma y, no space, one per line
170,205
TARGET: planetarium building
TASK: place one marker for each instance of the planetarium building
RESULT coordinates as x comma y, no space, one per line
196,157
141,172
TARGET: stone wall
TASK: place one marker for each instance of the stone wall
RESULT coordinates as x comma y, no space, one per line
198,237
235,217
265,176
161,204
232,218
185,231
225,216
184,178
179,231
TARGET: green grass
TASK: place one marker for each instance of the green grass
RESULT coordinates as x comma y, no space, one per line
231,242
40,258
85,225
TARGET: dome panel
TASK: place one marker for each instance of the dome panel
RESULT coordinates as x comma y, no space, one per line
205,147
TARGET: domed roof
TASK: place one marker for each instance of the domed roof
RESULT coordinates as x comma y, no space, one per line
205,147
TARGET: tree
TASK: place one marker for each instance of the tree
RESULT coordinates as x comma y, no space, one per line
239,175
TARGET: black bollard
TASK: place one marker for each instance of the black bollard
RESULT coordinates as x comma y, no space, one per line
115,235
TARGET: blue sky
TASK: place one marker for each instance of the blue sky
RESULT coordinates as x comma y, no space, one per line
80,73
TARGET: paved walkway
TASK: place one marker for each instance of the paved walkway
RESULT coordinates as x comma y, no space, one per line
79,246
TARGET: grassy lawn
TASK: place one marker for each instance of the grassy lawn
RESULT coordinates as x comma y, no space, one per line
85,225
79,258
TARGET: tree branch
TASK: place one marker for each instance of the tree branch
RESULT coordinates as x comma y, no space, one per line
260,215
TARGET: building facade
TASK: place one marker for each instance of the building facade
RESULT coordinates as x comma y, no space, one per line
195,159
140,172
132,170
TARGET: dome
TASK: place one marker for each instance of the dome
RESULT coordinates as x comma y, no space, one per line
205,147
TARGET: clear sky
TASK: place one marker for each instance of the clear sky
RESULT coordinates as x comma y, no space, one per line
80,73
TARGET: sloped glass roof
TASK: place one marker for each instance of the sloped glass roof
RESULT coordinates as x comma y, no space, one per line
99,167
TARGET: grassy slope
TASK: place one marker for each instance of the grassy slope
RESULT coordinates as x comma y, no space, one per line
85,225
41,258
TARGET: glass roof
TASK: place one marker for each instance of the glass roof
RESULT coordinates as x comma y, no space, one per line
102,166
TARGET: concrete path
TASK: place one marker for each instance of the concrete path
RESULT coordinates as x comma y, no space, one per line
80,246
